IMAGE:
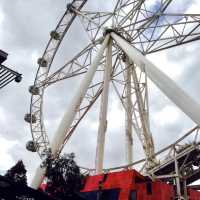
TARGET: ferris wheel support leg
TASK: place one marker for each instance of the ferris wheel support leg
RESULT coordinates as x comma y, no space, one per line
38,177
190,107
103,112
69,115
178,187
148,140
128,114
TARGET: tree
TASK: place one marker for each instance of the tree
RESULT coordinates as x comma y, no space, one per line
63,176
17,173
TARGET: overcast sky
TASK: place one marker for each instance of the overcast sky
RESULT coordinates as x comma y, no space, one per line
24,32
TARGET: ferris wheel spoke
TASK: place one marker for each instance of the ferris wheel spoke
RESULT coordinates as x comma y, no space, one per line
92,94
89,99
135,122
78,100
77,65
169,30
142,19
139,11
133,14
121,4
94,22
136,17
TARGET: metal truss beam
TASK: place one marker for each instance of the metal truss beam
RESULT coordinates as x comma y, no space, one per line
168,31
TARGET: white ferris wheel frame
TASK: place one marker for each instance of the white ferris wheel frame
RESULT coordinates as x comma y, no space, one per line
132,58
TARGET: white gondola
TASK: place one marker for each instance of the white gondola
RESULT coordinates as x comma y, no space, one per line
30,118
42,62
31,146
55,35
34,90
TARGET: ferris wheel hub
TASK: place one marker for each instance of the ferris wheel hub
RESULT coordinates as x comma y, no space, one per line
109,30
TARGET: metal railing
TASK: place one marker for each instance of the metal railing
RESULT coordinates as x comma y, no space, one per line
7,75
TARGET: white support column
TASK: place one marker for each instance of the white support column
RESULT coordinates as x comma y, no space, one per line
178,187
190,107
103,111
128,114
69,115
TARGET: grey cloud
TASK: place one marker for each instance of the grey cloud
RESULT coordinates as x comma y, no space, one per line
179,6
26,21
187,57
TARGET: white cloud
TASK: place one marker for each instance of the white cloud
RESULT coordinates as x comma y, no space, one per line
6,159
168,115
1,23
2,116
172,69
1,16
194,8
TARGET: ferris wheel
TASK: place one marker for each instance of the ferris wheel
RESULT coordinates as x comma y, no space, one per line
119,42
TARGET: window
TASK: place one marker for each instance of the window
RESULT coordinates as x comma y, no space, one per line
133,195
149,188
102,195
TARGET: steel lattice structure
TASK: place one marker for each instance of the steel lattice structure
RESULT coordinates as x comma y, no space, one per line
7,75
132,30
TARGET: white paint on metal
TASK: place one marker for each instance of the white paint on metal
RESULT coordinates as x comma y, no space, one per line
128,114
103,112
178,186
147,136
38,177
